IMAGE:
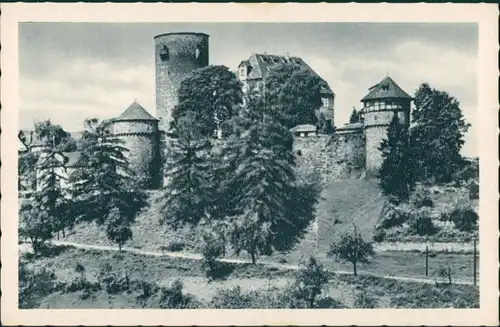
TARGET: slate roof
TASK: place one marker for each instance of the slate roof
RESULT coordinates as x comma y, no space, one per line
262,64
135,112
386,89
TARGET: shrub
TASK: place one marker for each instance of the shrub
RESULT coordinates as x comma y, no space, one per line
379,235
421,199
231,299
172,296
474,191
423,226
34,285
310,281
174,247
214,247
113,284
464,217
392,216
365,301
81,284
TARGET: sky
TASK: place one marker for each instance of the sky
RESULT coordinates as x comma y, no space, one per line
72,71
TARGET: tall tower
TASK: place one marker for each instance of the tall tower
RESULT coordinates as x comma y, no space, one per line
176,56
139,132
384,100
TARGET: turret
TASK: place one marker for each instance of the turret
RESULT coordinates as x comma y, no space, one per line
383,101
139,132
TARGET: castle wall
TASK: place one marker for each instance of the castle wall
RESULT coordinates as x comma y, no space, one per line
334,157
140,126
176,56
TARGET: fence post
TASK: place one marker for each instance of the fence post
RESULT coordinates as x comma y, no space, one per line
426,261
475,263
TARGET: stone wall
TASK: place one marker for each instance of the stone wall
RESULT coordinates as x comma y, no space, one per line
334,157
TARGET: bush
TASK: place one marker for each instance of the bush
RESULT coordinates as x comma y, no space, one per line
214,247
379,235
365,301
392,216
231,299
81,284
423,226
464,217
474,191
172,296
113,284
309,282
34,285
145,289
174,247
421,199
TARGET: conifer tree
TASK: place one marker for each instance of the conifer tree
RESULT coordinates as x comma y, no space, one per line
438,135
396,172
355,117
103,186
265,192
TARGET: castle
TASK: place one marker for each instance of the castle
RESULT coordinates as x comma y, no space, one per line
351,151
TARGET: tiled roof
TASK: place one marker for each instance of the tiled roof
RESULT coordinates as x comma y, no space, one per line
135,112
387,88
262,64
304,128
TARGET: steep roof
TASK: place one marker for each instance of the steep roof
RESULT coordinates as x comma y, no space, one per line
387,88
135,112
262,64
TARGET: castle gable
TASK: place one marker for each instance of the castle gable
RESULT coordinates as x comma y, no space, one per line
386,89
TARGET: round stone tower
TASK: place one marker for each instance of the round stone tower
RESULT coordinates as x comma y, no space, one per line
384,100
139,132
176,56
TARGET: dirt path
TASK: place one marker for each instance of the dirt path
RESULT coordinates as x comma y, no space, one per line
194,256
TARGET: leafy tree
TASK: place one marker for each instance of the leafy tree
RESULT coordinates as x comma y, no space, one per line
35,225
211,96
355,116
102,184
54,136
294,94
438,135
396,172
310,281
118,228
27,162
264,191
352,248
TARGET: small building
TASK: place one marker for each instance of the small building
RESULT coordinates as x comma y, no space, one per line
304,130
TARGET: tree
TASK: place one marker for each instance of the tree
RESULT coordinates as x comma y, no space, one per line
263,188
438,135
34,224
211,96
324,125
355,116
352,248
396,172
309,281
54,136
103,189
294,94
27,170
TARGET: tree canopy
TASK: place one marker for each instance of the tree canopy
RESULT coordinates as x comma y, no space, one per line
294,93
438,134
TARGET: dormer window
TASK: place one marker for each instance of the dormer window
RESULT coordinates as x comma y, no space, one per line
243,71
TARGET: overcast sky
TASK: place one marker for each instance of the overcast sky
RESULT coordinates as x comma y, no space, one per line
73,71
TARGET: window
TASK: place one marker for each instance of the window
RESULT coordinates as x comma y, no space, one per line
325,101
164,54
243,71
375,117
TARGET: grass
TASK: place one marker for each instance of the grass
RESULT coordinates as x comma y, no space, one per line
264,280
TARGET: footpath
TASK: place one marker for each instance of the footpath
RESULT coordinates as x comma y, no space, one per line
193,256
